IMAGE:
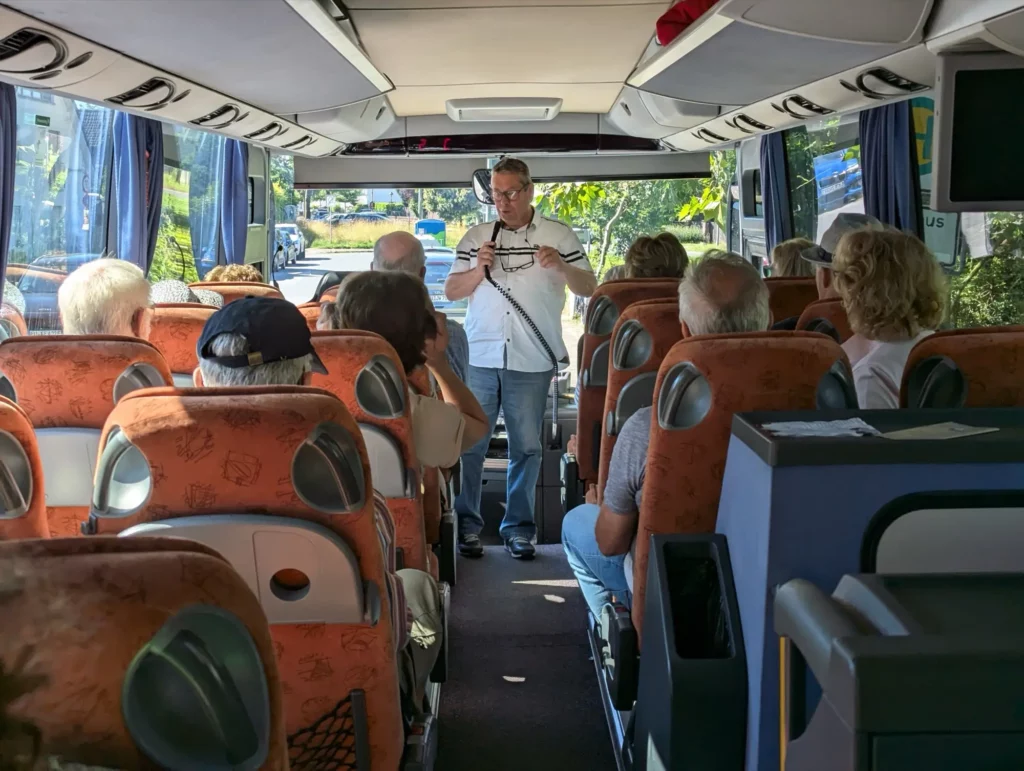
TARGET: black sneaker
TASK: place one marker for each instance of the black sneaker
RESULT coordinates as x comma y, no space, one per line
470,546
520,547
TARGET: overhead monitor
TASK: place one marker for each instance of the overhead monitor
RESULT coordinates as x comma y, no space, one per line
979,121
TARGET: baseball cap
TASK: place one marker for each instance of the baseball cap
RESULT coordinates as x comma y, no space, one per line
821,254
274,328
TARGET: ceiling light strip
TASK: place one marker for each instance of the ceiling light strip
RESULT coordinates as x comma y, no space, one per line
328,29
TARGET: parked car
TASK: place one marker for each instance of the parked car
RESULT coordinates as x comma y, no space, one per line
439,263
296,238
283,250
364,216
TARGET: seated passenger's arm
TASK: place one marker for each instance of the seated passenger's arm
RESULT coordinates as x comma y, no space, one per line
457,394
617,521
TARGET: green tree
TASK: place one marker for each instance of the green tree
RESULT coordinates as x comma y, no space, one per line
990,290
452,204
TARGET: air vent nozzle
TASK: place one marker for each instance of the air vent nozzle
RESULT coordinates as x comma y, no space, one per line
268,132
304,141
29,51
152,95
220,118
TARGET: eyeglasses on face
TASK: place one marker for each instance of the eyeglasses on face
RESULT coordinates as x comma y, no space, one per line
508,195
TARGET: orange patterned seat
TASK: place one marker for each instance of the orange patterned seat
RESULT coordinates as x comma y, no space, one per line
832,311
979,367
311,312
607,304
175,331
789,295
67,385
367,375
11,321
25,512
643,335
236,290
92,624
703,381
278,480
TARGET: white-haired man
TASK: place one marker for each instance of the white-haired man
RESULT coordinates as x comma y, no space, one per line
721,293
273,332
105,297
531,259
402,251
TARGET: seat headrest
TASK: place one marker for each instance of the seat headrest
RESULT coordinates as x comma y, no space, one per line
936,382
74,381
170,646
175,329
22,497
231,450
611,298
364,371
236,290
823,327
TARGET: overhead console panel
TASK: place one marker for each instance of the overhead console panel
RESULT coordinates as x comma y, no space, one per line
744,51
40,56
653,116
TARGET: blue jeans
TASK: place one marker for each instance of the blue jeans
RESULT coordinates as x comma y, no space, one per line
599,576
523,397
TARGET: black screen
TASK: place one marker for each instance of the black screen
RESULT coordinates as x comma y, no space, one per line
506,143
988,121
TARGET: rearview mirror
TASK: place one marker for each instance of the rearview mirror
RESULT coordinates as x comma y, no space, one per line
482,186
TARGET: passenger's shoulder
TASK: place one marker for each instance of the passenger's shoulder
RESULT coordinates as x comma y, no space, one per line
637,427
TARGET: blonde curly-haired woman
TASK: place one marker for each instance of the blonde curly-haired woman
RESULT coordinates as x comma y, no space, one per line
895,295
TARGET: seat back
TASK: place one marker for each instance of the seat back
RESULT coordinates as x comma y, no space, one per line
67,385
980,367
832,311
235,290
279,478
433,509
702,383
126,645
175,330
311,312
367,375
789,295
22,491
603,311
643,336
11,321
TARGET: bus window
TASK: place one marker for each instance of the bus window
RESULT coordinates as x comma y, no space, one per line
189,237
61,181
825,178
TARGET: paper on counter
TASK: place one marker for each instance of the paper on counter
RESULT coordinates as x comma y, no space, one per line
823,428
938,431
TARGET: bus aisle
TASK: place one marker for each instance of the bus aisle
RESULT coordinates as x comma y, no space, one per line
521,691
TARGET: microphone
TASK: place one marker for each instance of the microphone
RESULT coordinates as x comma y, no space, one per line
494,239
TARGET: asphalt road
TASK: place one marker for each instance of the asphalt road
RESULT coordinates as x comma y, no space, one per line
298,282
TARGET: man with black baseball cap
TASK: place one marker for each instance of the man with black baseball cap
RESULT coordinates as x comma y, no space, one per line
820,256
257,341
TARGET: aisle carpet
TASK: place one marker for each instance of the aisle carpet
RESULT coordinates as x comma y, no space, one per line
522,693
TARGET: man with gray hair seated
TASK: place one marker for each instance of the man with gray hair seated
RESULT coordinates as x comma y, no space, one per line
260,341
720,293
403,252
105,297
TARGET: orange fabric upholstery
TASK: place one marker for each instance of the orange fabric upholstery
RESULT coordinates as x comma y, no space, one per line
685,466
660,320
235,290
990,358
13,320
311,311
832,311
789,295
605,306
230,451
67,381
31,524
345,353
432,508
80,611
330,295
175,331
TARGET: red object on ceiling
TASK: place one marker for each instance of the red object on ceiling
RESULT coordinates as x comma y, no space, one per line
680,16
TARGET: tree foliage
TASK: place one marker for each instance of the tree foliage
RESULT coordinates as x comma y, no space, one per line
451,204
990,290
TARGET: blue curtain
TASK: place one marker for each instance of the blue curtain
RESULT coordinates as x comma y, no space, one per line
139,186
87,184
234,201
8,163
888,158
778,217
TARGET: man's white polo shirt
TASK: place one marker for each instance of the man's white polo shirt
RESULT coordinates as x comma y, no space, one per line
499,336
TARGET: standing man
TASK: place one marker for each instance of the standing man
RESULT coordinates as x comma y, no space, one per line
533,259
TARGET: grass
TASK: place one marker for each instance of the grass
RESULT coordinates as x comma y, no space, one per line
363,235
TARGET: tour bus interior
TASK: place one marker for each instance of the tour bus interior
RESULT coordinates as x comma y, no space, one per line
769,640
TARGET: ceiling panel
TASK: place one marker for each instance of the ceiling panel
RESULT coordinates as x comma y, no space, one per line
563,44
381,5
254,50
577,97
